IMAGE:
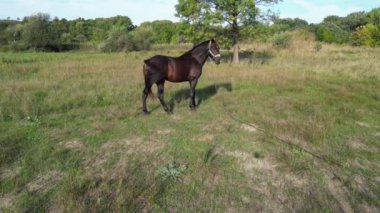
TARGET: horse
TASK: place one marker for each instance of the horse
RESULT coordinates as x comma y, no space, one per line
187,67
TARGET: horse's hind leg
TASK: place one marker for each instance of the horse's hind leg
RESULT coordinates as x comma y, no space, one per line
160,95
146,92
147,89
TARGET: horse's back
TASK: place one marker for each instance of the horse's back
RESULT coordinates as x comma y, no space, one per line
157,61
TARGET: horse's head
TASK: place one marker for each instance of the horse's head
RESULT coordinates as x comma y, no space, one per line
213,51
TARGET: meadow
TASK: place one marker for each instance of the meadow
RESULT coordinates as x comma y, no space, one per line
294,129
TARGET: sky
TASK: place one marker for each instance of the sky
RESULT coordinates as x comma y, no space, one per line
139,11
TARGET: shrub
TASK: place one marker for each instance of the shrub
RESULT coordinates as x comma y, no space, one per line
282,40
368,35
318,46
120,39
142,38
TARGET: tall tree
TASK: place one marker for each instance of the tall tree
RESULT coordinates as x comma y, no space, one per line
230,13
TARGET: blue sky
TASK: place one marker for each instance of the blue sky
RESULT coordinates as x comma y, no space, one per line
149,10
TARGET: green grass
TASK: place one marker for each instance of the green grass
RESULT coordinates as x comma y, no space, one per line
298,131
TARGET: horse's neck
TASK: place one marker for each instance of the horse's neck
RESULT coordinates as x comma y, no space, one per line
200,54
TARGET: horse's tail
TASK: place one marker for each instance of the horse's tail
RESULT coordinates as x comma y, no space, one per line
148,85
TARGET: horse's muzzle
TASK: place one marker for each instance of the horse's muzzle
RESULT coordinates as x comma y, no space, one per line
216,59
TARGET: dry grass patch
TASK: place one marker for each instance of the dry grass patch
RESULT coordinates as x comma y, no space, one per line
75,145
249,127
45,182
121,150
6,201
205,137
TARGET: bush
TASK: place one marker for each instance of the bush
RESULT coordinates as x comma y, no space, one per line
120,39
142,38
368,35
18,46
282,40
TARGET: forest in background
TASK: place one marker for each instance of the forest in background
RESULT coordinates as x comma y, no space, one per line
41,32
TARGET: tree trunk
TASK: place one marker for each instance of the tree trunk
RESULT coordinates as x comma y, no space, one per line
235,58
235,32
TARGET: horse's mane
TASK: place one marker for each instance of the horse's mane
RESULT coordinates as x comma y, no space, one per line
196,46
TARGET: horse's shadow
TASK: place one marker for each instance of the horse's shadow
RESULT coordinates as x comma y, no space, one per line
202,94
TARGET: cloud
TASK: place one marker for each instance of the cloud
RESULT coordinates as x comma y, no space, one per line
316,11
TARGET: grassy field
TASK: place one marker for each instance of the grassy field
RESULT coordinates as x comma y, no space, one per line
285,130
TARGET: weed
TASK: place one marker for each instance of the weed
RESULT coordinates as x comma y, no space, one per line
33,120
210,154
171,172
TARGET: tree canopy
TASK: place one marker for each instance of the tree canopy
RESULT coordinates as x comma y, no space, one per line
229,13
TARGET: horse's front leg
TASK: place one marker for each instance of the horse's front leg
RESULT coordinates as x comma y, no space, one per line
193,84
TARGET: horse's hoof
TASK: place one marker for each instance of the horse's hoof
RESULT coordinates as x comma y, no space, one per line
193,109
146,112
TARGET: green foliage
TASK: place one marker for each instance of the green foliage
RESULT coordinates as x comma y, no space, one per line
331,32
368,35
355,20
120,39
231,15
359,28
289,24
227,21
203,14
38,32
142,38
282,40
162,31
373,16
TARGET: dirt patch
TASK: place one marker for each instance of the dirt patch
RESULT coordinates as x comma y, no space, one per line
268,181
250,164
75,145
249,127
337,190
358,145
45,182
164,132
206,137
6,201
9,173
176,117
132,146
377,134
362,124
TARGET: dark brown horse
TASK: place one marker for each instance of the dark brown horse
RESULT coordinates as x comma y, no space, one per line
187,67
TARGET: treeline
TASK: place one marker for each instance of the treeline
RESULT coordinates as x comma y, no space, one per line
42,33
358,28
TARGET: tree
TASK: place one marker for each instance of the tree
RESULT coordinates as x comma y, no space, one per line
355,20
288,24
374,16
37,32
230,13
